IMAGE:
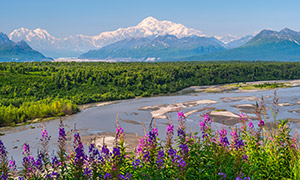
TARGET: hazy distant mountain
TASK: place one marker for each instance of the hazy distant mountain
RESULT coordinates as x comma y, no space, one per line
267,45
238,42
160,47
20,51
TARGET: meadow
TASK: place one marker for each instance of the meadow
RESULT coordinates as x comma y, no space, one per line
243,153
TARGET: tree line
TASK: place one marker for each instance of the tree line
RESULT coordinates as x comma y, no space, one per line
28,90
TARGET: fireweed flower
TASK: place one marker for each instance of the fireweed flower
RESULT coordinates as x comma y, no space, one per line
119,131
170,129
142,144
180,115
261,123
206,119
243,117
223,139
250,125
202,125
26,149
12,165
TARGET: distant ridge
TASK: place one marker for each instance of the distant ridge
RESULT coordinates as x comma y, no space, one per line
20,51
160,47
268,45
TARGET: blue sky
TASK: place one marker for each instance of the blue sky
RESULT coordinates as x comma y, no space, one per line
90,17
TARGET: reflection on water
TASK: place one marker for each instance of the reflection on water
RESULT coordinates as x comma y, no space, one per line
101,119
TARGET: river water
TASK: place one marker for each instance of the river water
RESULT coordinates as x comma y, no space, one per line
102,119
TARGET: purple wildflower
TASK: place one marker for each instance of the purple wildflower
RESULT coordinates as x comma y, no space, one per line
170,129
251,126
206,119
107,176
184,148
180,132
180,115
222,174
261,123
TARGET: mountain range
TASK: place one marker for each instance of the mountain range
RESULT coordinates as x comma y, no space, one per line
20,51
160,47
270,45
73,46
152,40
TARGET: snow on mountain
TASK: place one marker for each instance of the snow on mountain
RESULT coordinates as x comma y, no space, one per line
52,46
227,38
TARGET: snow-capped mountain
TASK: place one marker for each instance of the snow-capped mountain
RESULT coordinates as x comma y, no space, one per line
52,46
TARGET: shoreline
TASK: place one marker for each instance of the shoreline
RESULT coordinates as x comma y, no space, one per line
220,88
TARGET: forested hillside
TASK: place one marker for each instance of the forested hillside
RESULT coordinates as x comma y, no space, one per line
42,89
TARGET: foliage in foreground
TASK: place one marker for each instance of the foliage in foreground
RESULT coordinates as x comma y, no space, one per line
23,84
250,153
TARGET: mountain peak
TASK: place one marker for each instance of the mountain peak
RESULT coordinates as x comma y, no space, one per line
4,38
149,19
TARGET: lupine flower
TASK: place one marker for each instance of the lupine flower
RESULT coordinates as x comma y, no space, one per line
160,157
136,163
3,161
87,172
55,162
79,151
172,152
180,132
222,174
146,156
107,176
62,134
116,153
181,162
126,177
239,143
245,157
184,148
105,151
4,176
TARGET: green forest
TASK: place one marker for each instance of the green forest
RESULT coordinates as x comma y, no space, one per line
30,90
